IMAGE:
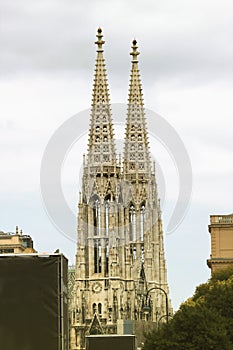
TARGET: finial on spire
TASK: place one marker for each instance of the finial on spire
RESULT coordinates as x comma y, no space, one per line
100,136
134,53
99,42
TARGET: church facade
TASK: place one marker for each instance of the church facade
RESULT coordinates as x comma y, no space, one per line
120,263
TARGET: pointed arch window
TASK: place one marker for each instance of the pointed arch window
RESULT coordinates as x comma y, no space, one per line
96,158
140,156
132,222
132,137
106,158
96,216
97,256
107,204
142,222
105,148
106,258
134,253
94,308
131,166
99,309
132,156
132,147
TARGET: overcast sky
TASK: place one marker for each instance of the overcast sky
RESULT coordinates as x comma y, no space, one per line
186,62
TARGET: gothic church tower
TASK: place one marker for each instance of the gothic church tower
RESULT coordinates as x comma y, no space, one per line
120,253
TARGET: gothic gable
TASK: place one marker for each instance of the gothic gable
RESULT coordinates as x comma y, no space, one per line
95,327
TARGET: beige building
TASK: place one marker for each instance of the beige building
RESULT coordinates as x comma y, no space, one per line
15,243
120,263
221,231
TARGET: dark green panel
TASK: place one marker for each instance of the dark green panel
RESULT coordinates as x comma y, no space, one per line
111,342
29,303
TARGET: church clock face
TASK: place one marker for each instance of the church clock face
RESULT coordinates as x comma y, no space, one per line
96,287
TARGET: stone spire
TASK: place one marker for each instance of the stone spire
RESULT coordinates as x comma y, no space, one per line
120,254
136,148
101,147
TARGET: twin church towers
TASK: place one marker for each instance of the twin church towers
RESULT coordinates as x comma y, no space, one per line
120,250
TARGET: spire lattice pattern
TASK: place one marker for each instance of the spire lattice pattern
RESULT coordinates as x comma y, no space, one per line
136,149
120,251
101,148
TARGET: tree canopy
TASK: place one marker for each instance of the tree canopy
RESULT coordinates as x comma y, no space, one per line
203,322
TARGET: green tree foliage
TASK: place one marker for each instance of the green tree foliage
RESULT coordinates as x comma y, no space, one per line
203,322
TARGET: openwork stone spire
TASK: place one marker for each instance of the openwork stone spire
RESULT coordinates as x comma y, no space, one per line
136,148
120,254
101,147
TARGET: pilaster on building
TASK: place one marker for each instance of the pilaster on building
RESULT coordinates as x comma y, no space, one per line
120,250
